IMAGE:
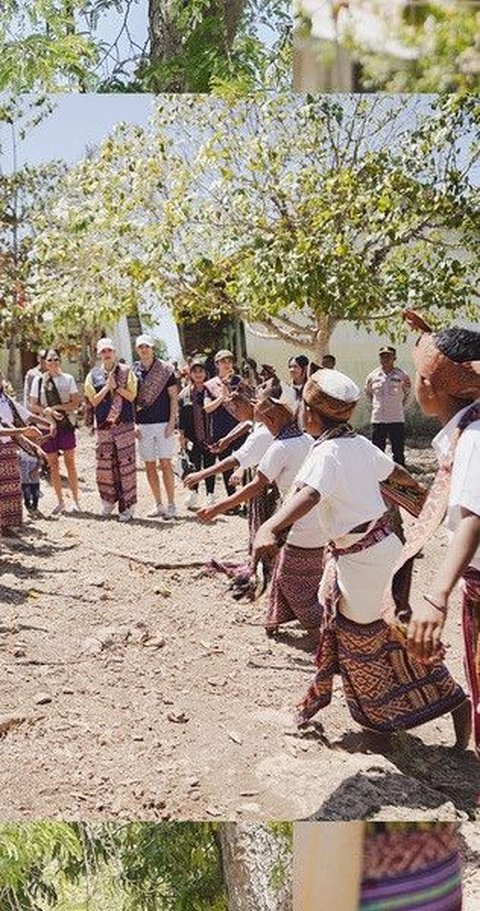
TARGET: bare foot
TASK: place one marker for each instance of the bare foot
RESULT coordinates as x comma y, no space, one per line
462,723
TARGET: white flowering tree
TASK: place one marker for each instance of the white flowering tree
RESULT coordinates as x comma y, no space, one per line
289,213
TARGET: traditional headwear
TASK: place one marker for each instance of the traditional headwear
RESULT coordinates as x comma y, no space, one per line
460,379
287,398
331,393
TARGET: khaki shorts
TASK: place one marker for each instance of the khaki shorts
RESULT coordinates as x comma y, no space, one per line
153,444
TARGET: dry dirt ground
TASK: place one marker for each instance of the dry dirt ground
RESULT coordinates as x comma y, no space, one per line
134,686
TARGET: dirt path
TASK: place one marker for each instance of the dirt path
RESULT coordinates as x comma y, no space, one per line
130,691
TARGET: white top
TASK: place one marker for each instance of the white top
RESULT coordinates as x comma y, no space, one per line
346,473
7,415
255,446
389,394
307,531
27,385
465,481
283,460
65,384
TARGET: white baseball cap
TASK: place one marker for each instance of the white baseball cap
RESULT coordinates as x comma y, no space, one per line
336,384
104,343
145,340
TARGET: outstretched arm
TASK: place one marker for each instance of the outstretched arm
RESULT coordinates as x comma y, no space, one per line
428,617
246,493
297,506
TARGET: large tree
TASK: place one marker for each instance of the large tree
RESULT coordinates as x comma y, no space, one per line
25,193
90,45
290,213
140,866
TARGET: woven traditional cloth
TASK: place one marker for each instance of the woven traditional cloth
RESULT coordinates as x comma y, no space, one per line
116,464
471,637
386,689
293,593
121,372
396,608
10,488
329,593
394,604
152,383
411,870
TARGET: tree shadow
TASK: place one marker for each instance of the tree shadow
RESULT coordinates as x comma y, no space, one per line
142,523
12,595
427,776
365,794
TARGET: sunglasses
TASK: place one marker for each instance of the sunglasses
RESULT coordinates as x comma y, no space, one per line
52,360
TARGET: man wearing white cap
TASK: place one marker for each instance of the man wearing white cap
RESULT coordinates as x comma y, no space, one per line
111,388
386,689
156,414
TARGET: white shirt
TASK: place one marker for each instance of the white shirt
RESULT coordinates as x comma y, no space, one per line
6,414
389,394
283,460
465,480
307,531
66,387
248,455
346,473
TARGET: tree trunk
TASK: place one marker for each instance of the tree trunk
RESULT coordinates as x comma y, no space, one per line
256,866
14,367
166,44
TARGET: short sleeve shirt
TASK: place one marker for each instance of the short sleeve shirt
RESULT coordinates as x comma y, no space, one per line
346,472
254,447
283,460
6,414
389,394
465,479
65,384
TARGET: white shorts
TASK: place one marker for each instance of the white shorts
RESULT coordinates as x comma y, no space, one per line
153,444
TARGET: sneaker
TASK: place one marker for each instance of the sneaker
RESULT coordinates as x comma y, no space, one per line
170,511
58,510
126,515
210,501
107,508
192,500
158,510
75,507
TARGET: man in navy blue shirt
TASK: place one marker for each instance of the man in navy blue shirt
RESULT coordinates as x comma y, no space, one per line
156,415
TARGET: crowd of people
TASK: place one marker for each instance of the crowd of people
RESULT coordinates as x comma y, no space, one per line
320,497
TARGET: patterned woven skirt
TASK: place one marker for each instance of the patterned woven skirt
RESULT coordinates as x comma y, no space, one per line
293,593
386,689
471,637
10,488
411,869
116,465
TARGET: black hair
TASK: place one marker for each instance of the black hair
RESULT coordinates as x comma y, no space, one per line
54,351
458,344
301,360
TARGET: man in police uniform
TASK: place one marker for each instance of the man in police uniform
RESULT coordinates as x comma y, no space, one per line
389,391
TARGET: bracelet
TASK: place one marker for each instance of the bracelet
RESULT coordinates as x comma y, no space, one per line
443,610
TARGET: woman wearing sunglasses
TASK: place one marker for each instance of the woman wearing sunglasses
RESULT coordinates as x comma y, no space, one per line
55,396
